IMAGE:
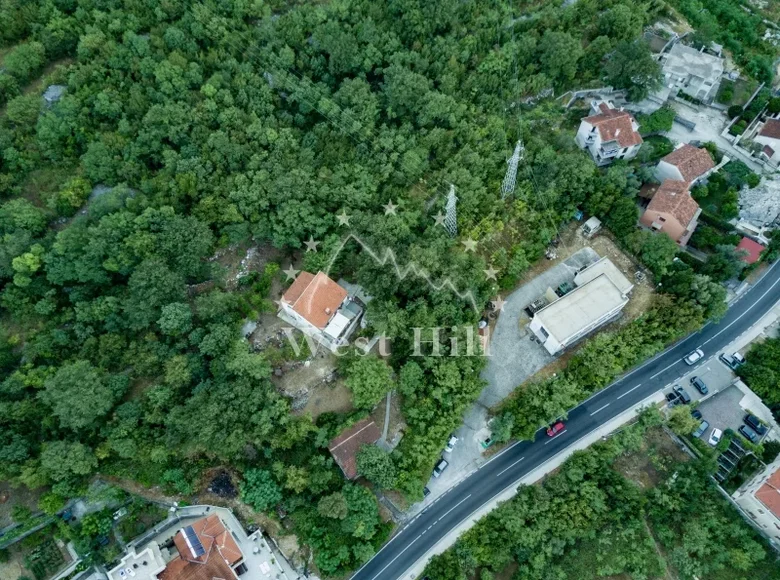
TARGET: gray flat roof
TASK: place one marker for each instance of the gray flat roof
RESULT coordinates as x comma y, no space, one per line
581,307
604,266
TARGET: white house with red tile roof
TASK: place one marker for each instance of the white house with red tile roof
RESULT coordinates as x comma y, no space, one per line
609,134
320,308
686,163
760,499
769,137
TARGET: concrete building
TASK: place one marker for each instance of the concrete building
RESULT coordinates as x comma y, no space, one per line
769,137
686,163
601,294
760,499
609,134
320,308
672,211
691,71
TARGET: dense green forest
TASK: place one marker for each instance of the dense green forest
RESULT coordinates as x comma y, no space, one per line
225,122
591,519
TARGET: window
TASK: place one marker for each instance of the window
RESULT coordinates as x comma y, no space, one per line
661,219
544,332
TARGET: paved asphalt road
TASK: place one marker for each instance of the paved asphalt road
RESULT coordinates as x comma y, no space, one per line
498,474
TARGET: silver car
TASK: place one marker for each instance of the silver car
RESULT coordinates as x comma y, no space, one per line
693,357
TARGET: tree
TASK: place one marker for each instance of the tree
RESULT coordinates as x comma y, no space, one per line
368,378
25,60
559,53
333,506
375,465
501,427
656,250
175,319
631,66
681,421
260,490
724,264
62,460
80,394
657,122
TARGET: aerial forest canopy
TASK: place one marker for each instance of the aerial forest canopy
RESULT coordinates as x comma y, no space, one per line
214,123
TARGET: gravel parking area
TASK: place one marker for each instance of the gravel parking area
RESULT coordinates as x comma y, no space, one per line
722,411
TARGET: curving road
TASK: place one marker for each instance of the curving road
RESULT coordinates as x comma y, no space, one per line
505,469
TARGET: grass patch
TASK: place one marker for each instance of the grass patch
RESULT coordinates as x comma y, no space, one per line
739,91
41,184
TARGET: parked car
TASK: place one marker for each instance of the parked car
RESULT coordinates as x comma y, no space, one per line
756,424
693,357
440,467
696,414
451,444
732,360
715,436
685,398
749,434
553,430
673,399
702,428
700,385
426,491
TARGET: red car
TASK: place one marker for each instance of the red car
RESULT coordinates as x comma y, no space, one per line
555,429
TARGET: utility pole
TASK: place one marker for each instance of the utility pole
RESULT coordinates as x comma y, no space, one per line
451,218
508,185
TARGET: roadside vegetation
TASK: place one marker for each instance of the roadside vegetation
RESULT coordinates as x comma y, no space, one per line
633,506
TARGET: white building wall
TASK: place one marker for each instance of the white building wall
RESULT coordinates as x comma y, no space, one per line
745,497
773,143
584,132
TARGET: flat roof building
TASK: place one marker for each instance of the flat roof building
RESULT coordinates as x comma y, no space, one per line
604,266
568,319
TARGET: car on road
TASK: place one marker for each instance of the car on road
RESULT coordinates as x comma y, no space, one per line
700,385
693,357
450,444
685,398
715,437
553,430
732,360
756,424
749,434
696,414
440,467
702,428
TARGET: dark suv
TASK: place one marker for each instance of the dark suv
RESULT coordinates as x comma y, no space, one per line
749,434
683,394
756,424
699,384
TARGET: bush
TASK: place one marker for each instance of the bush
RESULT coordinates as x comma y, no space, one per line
774,105
734,111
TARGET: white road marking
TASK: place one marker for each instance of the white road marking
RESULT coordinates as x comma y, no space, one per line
665,369
599,409
558,435
453,507
511,466
630,391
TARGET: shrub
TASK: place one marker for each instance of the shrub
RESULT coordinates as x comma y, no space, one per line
734,111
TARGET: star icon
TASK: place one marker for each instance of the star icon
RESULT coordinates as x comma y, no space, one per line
498,303
343,218
439,218
390,208
311,245
291,272
491,273
470,244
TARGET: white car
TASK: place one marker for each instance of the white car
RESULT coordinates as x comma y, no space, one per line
451,444
715,436
693,357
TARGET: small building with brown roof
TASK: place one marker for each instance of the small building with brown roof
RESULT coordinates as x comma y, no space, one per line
751,250
686,163
760,499
769,137
672,211
320,308
345,447
609,134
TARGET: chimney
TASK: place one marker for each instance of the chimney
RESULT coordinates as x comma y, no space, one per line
617,132
327,311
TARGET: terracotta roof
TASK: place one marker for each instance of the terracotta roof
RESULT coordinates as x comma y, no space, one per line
771,129
752,248
315,298
345,447
769,493
647,191
768,151
220,553
614,124
691,161
673,198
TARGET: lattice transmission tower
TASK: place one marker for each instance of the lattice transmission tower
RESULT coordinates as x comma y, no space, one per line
508,185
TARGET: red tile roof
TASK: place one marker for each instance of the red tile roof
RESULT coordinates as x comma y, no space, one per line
673,198
752,248
771,129
769,493
691,161
221,553
345,447
614,124
769,151
315,298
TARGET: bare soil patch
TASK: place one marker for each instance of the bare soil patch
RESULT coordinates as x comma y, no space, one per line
238,260
648,466
12,496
